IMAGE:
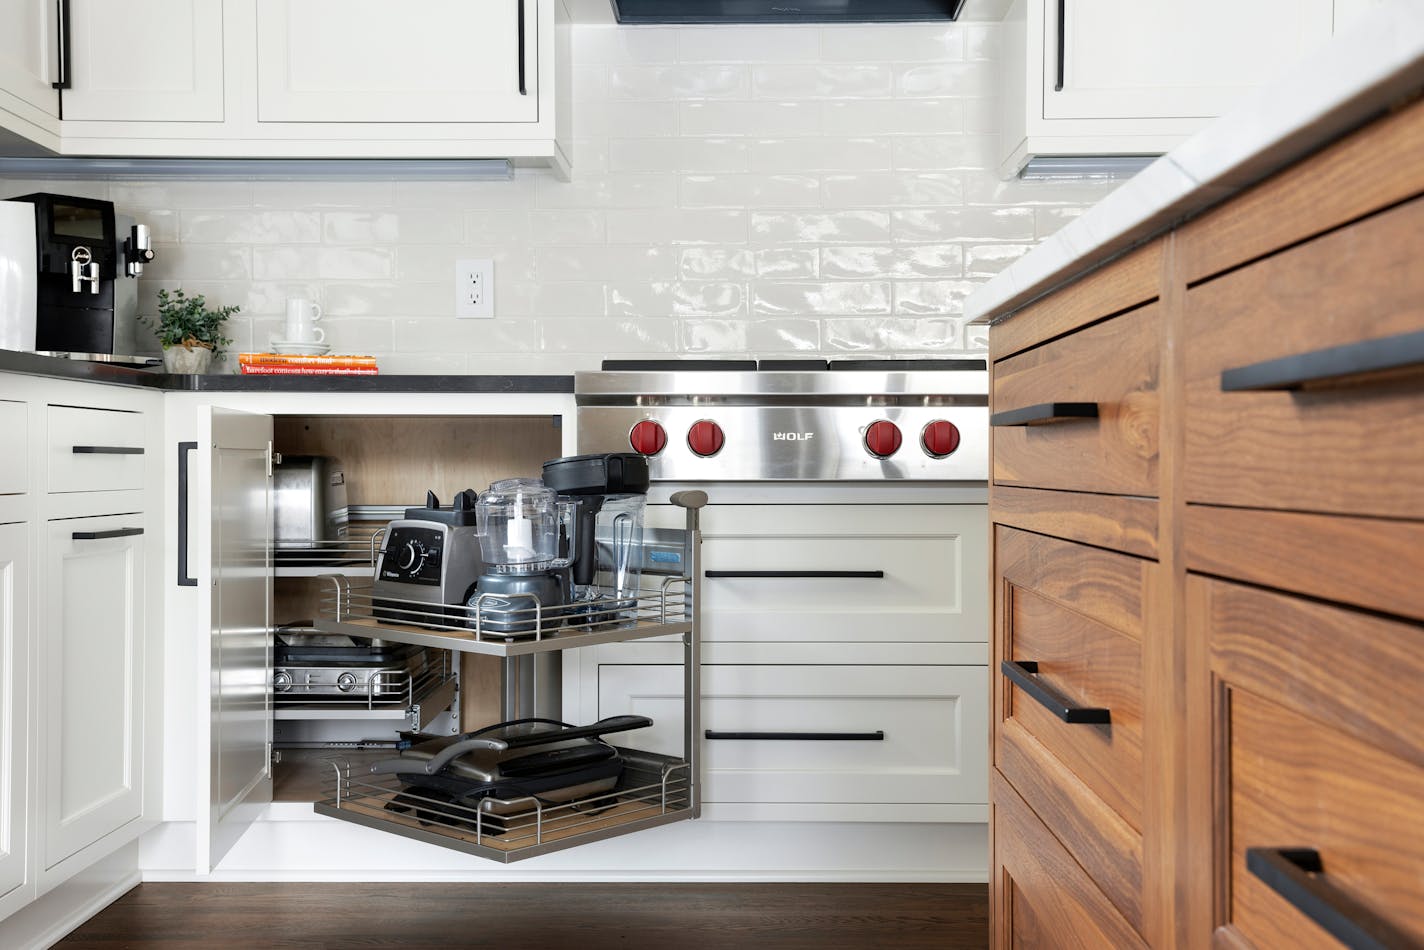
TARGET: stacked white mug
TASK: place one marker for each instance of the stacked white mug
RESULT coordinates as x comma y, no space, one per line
302,316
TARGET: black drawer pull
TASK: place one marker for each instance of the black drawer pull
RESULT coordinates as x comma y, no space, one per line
523,87
1024,675
872,574
106,535
1333,364
108,450
1062,51
1045,412
184,451
876,736
1297,875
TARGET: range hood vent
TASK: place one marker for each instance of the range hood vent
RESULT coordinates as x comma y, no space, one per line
633,12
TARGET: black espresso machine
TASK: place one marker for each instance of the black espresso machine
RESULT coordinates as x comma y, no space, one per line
87,261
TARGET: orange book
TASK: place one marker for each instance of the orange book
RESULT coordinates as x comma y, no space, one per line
278,359
251,369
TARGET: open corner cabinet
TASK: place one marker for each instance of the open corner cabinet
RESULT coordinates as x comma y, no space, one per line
388,794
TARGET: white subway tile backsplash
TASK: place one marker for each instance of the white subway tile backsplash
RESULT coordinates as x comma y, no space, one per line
677,155
717,263
963,224
771,227
678,82
890,43
891,334
794,117
823,81
739,337
751,190
607,45
818,153
608,338
742,44
801,297
677,227
675,299
860,117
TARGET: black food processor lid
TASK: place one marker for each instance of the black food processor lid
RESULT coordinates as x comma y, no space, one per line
610,473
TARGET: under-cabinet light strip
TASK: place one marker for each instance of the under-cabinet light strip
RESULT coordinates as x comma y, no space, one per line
483,169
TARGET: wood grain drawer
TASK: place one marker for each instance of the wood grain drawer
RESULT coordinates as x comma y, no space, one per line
1349,447
94,449
1112,367
1076,612
1324,754
15,460
1042,897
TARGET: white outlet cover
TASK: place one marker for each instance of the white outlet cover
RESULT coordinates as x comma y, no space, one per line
474,288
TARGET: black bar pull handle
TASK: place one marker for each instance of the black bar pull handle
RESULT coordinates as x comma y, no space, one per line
1044,413
108,450
184,448
1298,876
1062,44
523,88
1024,675
876,736
871,574
62,33
106,535
1405,351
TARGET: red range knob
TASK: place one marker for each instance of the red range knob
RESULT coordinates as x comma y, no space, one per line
940,438
705,438
882,439
647,438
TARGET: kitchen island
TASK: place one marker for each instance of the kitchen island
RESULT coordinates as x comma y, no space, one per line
1206,509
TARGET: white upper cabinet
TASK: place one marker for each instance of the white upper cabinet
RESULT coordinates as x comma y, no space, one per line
1136,77
375,61
27,67
145,61
16,555
1125,59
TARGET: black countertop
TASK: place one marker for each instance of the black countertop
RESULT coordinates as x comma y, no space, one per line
31,364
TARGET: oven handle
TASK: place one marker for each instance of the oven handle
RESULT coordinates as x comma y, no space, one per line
782,574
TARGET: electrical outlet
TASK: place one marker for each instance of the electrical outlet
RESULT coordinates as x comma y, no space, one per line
474,288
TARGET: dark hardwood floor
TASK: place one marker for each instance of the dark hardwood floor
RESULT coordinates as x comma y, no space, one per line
537,916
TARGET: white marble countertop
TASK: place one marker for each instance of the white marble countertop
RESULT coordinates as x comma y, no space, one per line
1361,73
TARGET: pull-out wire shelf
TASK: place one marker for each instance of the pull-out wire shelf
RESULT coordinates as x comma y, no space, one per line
653,790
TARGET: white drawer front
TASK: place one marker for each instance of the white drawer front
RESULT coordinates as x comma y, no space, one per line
15,460
935,586
934,720
94,449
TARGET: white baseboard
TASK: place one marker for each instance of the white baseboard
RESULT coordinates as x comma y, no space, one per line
302,846
50,918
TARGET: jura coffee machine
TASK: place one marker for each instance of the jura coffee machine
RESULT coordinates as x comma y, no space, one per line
87,260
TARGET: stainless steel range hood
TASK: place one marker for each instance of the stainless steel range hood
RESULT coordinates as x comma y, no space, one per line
784,11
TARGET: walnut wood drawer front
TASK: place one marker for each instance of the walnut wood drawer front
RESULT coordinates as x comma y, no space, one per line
1321,768
94,449
1069,732
1331,336
1043,897
1081,412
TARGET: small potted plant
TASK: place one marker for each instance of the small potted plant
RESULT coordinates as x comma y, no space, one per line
190,333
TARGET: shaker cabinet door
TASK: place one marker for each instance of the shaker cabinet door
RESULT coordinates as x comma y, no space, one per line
1155,59
373,61
145,61
92,577
14,711
27,61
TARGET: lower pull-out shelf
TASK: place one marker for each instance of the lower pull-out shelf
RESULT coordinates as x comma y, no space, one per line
653,790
